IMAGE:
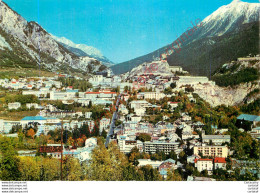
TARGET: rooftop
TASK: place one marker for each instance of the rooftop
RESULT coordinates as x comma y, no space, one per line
219,160
33,118
249,117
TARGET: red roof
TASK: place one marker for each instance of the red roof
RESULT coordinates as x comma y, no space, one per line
202,160
219,160
174,102
100,92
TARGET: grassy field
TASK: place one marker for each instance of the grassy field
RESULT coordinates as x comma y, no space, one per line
24,72
17,116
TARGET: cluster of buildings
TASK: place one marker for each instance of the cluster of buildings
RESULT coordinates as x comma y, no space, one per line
209,152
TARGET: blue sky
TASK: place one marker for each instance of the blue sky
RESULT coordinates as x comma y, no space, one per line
121,29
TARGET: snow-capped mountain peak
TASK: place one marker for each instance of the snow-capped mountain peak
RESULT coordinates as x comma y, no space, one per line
87,49
228,17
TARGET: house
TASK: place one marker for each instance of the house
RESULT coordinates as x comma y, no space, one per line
134,118
33,120
173,105
122,108
165,166
191,178
32,105
104,124
204,164
188,135
88,115
139,104
176,68
104,95
144,162
214,151
139,111
255,132
15,105
191,159
6,126
42,93
58,95
252,118
215,139
220,162
102,102
83,101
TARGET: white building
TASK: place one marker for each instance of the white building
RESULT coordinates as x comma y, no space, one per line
104,124
214,151
135,118
191,80
173,105
176,68
166,147
88,115
204,164
32,105
140,104
216,139
144,162
15,105
125,144
220,163
33,119
140,111
150,95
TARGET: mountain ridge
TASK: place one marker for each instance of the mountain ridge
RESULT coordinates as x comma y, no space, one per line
32,46
219,30
83,50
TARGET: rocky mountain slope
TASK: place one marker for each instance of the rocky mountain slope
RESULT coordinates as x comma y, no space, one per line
26,44
239,83
83,50
154,67
230,32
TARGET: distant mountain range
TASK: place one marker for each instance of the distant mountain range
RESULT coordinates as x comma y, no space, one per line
230,32
27,45
83,50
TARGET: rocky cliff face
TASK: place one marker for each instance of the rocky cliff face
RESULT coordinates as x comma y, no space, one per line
155,67
235,95
27,43
216,95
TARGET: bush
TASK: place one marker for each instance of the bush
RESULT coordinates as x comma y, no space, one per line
245,75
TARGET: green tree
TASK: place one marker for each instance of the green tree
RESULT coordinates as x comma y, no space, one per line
106,164
173,175
150,174
143,137
9,160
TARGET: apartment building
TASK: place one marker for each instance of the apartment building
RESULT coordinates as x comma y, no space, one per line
166,147
216,139
214,151
150,95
